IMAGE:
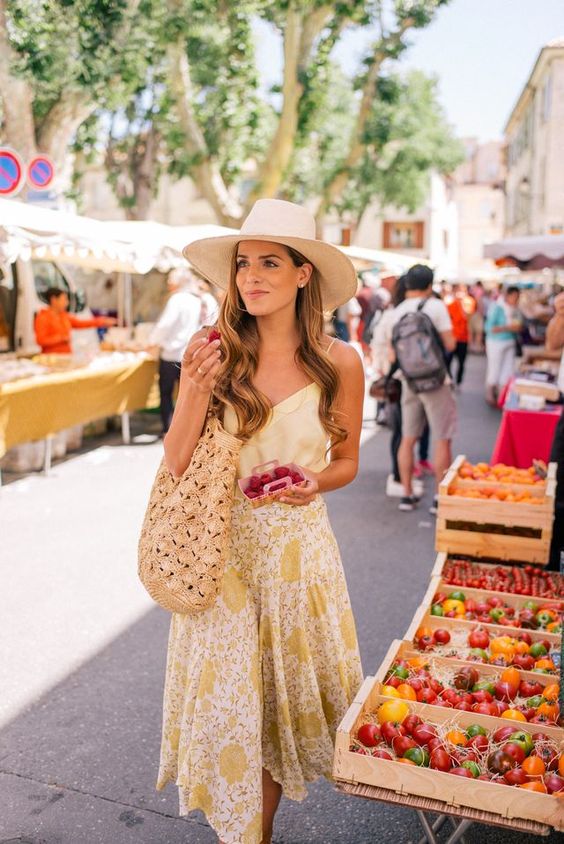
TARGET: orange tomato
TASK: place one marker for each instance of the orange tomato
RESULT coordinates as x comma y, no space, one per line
511,675
406,692
457,738
551,691
545,664
503,645
390,691
522,648
393,710
501,659
553,626
534,786
533,766
406,761
561,765
513,715
549,710
417,662
423,631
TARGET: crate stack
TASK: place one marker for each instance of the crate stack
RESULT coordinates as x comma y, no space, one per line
489,532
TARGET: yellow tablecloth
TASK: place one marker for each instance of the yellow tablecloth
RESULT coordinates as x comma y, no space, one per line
34,408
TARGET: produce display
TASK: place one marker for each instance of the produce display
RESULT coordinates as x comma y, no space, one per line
507,755
491,609
507,693
269,481
519,580
479,645
500,473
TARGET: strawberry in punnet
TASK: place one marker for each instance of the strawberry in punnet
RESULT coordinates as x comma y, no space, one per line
282,472
214,335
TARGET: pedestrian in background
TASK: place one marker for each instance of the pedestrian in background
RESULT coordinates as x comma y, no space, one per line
503,326
438,405
459,317
54,325
346,320
178,322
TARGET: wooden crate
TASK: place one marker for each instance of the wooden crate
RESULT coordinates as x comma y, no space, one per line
423,617
466,525
507,802
438,664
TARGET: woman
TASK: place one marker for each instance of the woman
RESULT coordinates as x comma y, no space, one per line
257,684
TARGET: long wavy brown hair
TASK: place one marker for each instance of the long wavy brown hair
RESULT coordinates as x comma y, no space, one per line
240,347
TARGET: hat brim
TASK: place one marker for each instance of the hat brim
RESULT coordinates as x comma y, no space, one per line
212,257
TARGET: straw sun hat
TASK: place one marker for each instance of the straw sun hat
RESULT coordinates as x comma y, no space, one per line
277,221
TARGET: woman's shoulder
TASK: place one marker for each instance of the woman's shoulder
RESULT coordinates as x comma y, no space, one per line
343,355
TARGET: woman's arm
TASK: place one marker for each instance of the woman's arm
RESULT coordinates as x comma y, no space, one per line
200,366
344,456
554,340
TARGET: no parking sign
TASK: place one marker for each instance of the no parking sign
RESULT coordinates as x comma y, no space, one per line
40,172
11,172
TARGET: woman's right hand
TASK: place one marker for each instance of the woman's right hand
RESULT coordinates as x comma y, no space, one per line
201,362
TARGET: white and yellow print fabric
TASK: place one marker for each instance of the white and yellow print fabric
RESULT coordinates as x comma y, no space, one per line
262,678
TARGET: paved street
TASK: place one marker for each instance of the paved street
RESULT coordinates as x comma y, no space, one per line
83,650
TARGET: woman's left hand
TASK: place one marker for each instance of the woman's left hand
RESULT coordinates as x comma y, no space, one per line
304,494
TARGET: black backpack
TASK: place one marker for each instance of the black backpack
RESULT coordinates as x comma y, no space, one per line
419,351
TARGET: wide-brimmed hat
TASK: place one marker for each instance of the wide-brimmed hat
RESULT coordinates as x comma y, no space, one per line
277,221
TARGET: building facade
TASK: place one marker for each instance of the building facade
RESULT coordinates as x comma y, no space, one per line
430,233
534,140
480,201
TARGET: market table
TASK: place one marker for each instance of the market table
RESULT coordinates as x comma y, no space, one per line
524,435
37,408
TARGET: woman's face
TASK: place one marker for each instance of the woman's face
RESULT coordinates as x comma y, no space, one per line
267,278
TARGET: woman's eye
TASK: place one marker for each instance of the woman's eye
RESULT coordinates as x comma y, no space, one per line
270,264
240,264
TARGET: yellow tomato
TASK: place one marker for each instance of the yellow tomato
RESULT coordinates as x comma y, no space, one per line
452,604
513,715
393,710
390,691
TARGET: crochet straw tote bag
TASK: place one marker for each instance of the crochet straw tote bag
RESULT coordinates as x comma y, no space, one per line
185,533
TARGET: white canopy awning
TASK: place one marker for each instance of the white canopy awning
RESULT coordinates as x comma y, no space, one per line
550,246
27,230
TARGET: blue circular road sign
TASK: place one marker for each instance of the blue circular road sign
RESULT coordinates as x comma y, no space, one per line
11,171
40,172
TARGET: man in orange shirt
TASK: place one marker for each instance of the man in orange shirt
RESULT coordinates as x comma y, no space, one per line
455,303
53,325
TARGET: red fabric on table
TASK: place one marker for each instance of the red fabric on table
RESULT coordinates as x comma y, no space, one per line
524,436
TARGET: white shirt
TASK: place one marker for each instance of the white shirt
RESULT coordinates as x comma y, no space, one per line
176,325
435,309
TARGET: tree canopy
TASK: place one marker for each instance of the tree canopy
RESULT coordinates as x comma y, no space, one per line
173,86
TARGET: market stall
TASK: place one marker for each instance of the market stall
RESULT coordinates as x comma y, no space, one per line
462,718
36,408
526,434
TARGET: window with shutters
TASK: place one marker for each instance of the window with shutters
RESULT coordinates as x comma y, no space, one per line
403,235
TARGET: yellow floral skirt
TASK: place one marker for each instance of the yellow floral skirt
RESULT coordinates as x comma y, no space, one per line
264,676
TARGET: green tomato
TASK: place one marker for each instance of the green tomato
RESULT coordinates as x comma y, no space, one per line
531,605
472,767
496,613
535,702
486,685
537,650
436,609
543,618
399,671
524,739
476,730
457,596
417,755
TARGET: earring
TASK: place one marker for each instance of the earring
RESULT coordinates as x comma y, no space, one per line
300,285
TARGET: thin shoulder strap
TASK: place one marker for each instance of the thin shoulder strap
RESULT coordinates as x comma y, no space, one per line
330,346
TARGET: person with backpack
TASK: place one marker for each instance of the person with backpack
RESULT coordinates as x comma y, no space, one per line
422,336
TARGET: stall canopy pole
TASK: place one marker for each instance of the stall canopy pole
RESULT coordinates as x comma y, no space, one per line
120,300
128,301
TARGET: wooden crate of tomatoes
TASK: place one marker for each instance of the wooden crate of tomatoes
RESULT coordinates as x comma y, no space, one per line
441,678
411,748
496,511
518,579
